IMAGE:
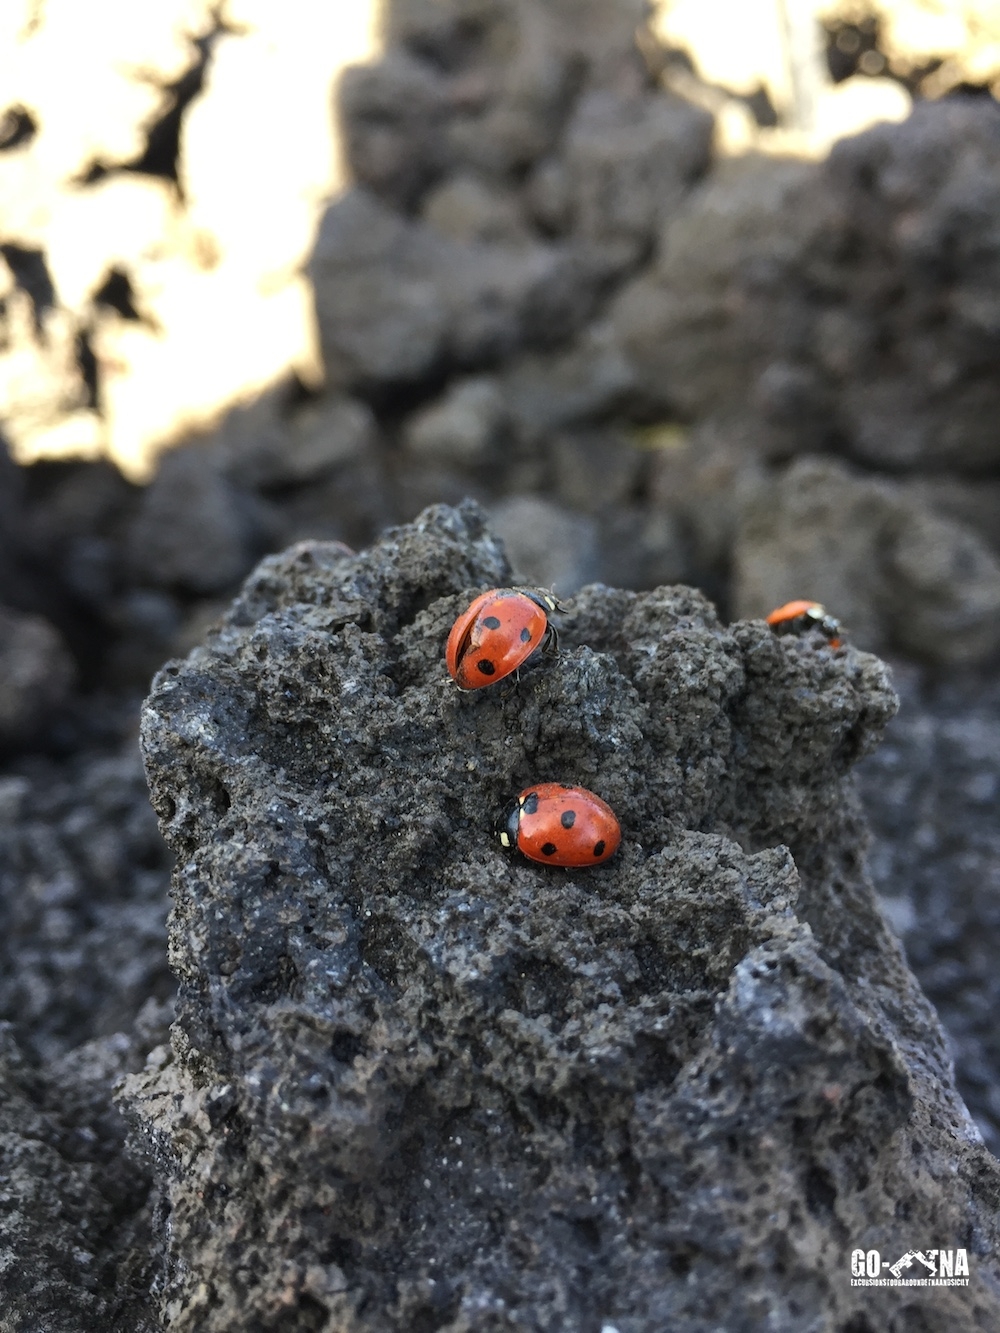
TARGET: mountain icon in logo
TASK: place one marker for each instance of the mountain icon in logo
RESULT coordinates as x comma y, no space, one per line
907,1262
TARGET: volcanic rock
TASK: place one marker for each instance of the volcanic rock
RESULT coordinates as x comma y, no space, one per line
930,793
397,301
36,674
417,1084
83,900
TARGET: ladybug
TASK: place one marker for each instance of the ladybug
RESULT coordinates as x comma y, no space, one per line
560,826
498,633
797,617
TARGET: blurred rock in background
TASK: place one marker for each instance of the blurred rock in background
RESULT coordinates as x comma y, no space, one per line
161,173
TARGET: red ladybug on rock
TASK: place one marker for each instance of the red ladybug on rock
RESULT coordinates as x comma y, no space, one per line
498,633
799,616
560,825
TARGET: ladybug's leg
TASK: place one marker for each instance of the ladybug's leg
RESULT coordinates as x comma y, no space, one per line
550,640
509,686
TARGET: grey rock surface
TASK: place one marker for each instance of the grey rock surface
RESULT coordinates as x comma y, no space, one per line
916,208
323,438
930,793
513,160
85,996
551,546
587,382
463,429
36,675
393,114
467,208
624,166
507,73
397,301
416,1084
854,305
191,530
596,470
83,900
75,1223
722,299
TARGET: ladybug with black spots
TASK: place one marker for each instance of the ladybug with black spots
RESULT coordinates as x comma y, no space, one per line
498,633
799,616
560,825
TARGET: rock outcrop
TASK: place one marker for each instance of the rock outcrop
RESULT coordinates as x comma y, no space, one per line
415,1084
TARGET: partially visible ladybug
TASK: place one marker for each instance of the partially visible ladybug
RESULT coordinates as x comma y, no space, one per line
560,826
498,633
802,615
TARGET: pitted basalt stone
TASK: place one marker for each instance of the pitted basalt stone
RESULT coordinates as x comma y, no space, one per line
419,1084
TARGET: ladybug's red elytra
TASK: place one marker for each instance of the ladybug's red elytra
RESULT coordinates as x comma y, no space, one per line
560,825
801,615
498,633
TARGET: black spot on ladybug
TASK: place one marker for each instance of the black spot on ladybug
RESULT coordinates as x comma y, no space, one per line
525,634
598,848
549,847
531,805
491,622
567,818
485,667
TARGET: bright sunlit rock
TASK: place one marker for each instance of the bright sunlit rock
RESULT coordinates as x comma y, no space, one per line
219,309
140,306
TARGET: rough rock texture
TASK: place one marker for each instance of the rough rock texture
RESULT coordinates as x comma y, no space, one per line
494,78
722,299
418,1085
625,164
191,530
83,900
651,370
85,995
915,360
930,793
76,1240
848,307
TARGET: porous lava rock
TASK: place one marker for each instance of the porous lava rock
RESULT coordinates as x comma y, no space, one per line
912,350
83,900
930,794
416,1084
76,1242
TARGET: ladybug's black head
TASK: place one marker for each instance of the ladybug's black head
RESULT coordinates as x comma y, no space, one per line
505,825
817,617
548,601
